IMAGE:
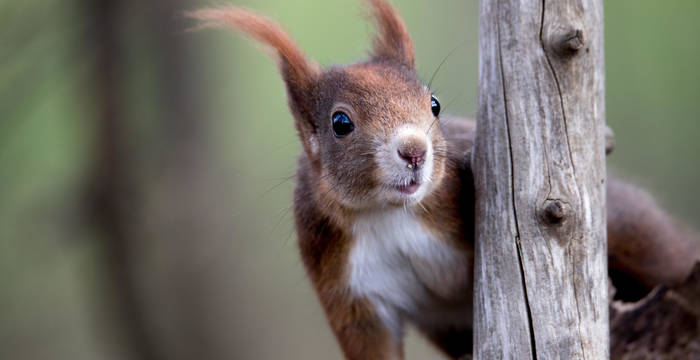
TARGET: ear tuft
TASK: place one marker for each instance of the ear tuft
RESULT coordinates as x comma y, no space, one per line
300,74
393,41
262,29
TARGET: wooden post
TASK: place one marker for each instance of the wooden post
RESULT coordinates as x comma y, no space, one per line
539,165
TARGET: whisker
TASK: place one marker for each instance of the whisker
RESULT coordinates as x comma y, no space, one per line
427,132
286,240
284,180
430,83
449,103
421,205
282,215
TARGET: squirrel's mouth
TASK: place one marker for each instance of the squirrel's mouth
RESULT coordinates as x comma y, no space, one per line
408,189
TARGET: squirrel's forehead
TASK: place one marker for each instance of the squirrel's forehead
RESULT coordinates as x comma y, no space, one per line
370,83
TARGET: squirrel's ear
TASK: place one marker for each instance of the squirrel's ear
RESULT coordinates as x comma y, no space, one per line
299,73
392,41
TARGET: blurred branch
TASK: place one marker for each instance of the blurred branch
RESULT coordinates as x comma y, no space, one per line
111,184
168,314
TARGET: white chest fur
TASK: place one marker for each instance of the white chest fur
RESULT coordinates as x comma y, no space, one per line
396,264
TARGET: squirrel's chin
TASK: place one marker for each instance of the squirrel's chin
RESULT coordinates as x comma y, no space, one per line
410,194
408,189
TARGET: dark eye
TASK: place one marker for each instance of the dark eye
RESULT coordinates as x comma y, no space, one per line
342,125
434,105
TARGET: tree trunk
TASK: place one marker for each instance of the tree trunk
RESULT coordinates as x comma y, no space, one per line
539,166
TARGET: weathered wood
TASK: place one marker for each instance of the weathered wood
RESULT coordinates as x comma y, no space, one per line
539,167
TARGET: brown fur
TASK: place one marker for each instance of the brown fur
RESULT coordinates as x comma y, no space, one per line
393,42
337,180
299,73
324,248
643,241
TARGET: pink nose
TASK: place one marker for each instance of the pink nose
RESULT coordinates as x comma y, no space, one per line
413,154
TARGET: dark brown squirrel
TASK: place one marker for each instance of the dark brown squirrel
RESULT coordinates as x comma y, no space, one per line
384,200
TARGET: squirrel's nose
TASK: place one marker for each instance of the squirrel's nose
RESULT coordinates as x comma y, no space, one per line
413,152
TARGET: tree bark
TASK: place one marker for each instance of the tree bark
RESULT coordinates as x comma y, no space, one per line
539,166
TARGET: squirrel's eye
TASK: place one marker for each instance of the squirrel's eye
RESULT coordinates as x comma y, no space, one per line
342,125
434,105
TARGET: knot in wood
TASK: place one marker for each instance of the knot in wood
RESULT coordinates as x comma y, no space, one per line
609,140
568,42
554,212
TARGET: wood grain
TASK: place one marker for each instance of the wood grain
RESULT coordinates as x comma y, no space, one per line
539,167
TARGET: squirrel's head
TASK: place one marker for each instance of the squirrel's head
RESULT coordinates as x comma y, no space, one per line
370,130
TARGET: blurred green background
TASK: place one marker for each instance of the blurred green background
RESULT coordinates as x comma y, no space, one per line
145,185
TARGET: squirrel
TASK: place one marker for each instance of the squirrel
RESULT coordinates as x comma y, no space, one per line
384,199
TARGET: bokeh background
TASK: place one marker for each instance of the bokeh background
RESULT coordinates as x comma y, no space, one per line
145,184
